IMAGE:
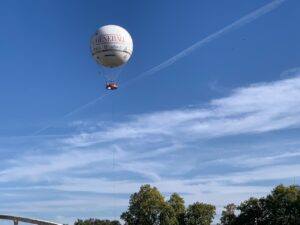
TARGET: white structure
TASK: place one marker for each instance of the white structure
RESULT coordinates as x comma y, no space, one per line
17,219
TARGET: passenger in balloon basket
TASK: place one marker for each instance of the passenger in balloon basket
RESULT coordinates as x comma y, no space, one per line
112,86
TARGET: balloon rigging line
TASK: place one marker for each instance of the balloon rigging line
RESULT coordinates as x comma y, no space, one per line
233,26
76,110
86,105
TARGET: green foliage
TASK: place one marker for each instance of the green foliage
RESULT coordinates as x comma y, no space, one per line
200,214
148,207
96,222
281,207
168,216
177,203
145,207
251,212
228,215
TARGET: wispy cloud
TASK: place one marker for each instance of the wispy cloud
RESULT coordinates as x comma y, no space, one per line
279,172
248,161
258,108
168,149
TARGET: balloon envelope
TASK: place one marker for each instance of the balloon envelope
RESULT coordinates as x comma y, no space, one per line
111,46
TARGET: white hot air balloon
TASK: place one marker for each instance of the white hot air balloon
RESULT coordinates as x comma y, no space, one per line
111,46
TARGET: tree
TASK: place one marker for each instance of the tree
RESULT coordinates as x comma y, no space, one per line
177,203
168,216
148,207
252,212
228,215
200,214
283,205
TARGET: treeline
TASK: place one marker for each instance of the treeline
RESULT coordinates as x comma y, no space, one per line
148,207
96,222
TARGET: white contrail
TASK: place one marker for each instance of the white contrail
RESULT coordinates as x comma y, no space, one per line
235,25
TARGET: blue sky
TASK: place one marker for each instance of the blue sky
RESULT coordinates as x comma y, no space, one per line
208,104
